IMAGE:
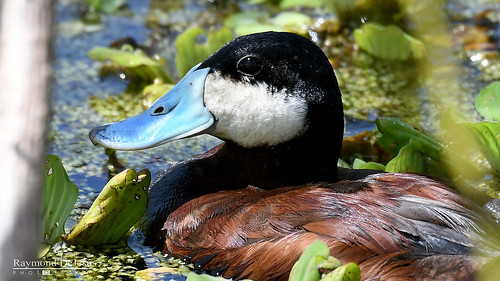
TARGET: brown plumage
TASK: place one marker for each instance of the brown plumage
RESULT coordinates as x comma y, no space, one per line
395,226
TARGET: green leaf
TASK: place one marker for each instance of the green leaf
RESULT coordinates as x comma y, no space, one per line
396,134
291,19
246,17
136,62
306,268
488,102
59,196
285,4
388,42
189,53
488,136
120,204
347,272
360,164
409,160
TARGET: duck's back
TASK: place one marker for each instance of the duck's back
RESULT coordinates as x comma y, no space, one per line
395,226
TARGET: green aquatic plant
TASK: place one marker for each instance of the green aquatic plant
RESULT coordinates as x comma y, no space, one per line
464,151
316,259
189,52
248,22
141,70
388,42
284,4
107,6
315,264
135,63
121,203
59,197
488,102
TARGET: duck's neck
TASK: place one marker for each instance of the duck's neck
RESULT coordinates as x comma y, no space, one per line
294,163
229,166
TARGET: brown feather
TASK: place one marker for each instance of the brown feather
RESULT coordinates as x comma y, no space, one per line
260,234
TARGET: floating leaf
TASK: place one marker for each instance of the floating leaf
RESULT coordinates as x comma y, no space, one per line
488,102
119,205
59,196
189,52
135,62
388,42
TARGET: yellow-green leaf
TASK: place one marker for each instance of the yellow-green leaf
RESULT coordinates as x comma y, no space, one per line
119,205
388,42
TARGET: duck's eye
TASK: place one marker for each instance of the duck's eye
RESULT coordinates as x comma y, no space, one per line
249,65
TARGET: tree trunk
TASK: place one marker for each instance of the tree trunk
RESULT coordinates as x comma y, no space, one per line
25,72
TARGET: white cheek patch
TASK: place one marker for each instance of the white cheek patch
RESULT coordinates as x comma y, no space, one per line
252,116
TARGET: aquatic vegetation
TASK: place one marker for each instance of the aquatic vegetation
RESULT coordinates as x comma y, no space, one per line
133,62
107,6
388,42
59,197
316,259
189,52
488,102
417,152
248,22
315,264
121,203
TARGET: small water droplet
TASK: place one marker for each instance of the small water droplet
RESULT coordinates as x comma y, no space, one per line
137,197
51,170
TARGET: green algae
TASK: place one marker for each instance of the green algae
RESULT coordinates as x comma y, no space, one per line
371,87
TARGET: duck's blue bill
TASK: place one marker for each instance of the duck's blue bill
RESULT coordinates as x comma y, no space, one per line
178,114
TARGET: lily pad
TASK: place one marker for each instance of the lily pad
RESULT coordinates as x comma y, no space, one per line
59,196
388,42
189,52
488,102
121,203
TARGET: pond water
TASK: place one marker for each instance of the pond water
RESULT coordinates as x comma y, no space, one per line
77,78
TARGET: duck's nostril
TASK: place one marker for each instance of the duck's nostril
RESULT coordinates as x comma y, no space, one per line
159,110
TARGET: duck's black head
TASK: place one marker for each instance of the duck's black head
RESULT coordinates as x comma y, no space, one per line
261,90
